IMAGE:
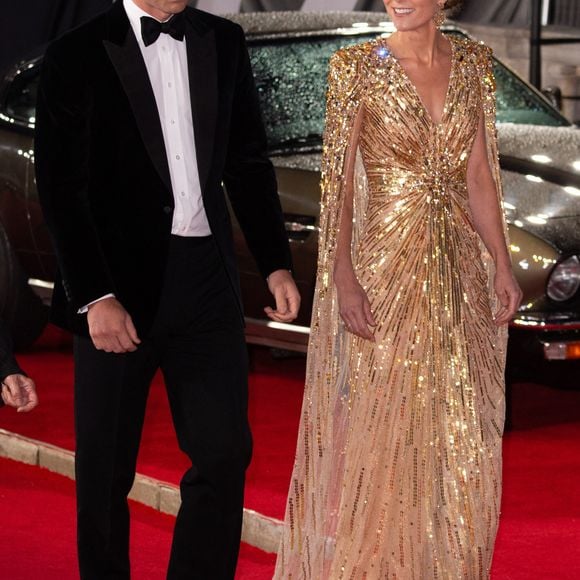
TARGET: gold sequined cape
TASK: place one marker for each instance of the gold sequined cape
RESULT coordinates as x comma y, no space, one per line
398,465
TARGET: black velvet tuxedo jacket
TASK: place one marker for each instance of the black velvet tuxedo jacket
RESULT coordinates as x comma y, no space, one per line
102,171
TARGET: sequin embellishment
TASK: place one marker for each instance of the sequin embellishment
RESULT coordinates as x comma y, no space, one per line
398,467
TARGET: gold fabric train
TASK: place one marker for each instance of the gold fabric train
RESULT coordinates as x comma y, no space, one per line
398,467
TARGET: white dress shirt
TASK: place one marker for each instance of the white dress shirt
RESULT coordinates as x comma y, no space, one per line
166,63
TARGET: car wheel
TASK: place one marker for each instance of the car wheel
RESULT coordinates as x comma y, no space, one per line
20,307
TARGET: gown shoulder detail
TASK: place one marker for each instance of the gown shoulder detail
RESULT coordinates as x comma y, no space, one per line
355,53
471,50
364,59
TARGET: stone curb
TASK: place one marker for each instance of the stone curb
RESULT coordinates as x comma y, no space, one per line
258,530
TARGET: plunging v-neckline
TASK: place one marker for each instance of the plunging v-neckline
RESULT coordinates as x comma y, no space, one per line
414,88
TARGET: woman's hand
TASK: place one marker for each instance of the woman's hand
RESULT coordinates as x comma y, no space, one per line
354,305
509,294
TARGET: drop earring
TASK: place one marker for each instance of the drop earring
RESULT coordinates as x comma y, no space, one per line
439,17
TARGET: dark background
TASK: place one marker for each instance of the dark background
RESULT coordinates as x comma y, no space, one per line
27,24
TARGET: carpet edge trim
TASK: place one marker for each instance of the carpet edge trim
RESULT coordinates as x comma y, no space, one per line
258,530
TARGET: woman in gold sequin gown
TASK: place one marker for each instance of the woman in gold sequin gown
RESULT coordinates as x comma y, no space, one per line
398,465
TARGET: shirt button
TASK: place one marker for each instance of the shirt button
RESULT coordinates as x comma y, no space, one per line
182,193
172,121
169,85
177,157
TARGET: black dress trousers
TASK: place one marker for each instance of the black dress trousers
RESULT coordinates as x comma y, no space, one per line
197,341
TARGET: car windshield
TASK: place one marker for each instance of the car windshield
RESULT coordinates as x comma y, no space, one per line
291,80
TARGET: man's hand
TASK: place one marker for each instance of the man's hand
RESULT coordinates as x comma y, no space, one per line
19,391
111,327
283,288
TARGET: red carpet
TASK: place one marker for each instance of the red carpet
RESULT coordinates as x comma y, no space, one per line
540,529
37,539
539,535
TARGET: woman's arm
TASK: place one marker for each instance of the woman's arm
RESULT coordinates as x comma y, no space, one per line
354,305
487,218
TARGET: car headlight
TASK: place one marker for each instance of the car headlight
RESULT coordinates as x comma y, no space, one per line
564,280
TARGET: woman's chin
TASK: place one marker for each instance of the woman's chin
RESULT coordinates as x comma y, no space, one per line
408,24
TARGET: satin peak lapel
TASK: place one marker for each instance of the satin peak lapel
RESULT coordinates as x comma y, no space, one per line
203,87
127,59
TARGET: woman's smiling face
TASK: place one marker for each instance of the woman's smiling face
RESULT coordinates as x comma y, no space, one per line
412,14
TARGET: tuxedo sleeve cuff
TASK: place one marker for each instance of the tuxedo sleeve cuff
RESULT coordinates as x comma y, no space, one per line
10,367
85,309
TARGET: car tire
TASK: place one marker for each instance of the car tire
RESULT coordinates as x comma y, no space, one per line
20,307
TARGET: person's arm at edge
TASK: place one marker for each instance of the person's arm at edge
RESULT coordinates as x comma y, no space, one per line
17,389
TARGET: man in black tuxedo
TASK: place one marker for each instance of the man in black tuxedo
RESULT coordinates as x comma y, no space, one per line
142,114
16,389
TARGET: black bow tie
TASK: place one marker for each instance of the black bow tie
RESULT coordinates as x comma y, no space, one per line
151,28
